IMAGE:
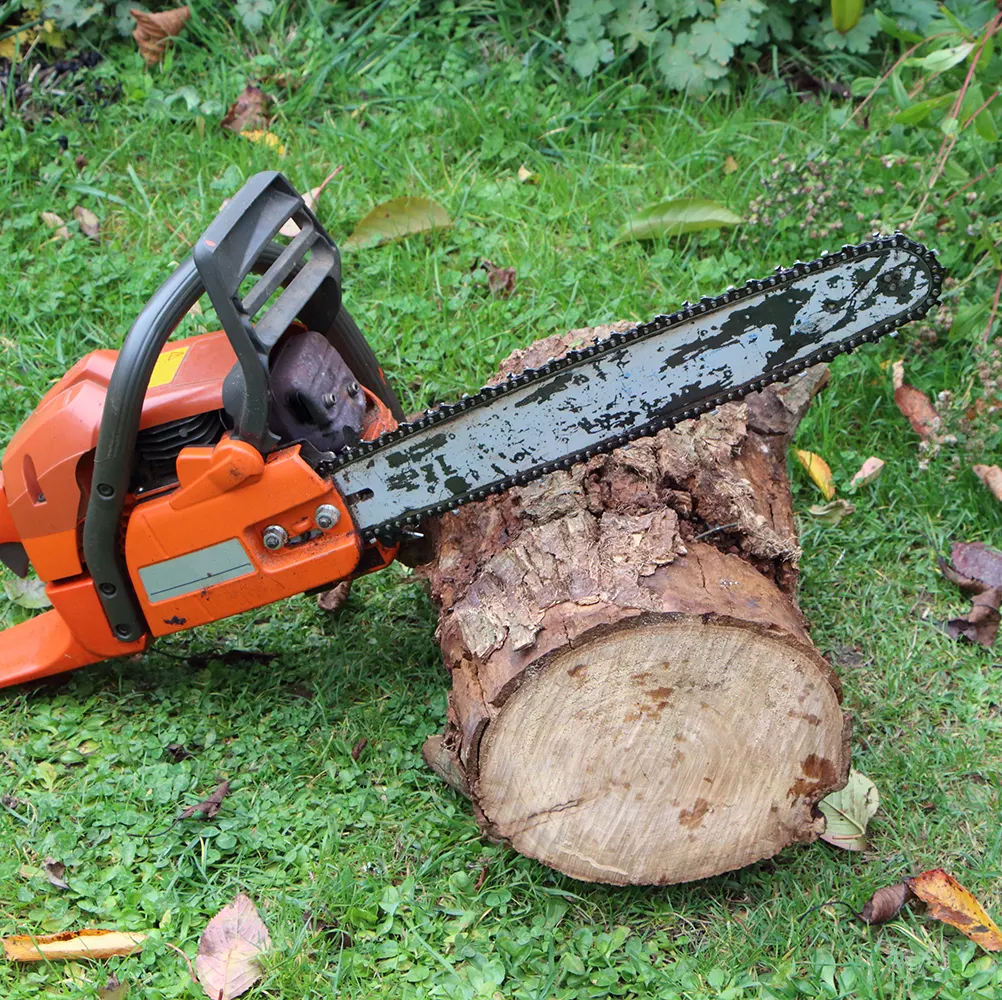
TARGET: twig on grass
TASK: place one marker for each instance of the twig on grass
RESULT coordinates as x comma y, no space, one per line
995,309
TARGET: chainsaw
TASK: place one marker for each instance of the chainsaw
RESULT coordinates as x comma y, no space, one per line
175,483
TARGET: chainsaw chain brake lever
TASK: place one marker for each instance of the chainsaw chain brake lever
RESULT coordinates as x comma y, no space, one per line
224,256
240,240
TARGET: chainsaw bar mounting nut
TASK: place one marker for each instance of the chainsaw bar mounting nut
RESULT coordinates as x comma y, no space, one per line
274,537
326,516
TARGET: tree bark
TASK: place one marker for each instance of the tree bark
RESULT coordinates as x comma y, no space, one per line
635,698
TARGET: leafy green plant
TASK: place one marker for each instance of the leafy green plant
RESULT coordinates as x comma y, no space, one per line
941,95
60,22
693,44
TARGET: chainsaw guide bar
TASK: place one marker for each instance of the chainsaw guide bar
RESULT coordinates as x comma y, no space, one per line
633,384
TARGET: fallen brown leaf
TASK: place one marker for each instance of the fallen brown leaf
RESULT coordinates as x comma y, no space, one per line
977,570
54,871
358,749
210,806
88,943
730,165
915,405
310,198
981,624
249,110
500,280
979,562
951,903
153,30
53,221
333,599
228,951
991,476
965,583
885,903
89,223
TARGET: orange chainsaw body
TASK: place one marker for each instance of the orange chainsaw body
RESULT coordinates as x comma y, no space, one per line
213,516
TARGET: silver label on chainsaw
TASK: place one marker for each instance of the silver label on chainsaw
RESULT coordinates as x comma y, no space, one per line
195,571
629,386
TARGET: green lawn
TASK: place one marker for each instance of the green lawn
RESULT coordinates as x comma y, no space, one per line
378,848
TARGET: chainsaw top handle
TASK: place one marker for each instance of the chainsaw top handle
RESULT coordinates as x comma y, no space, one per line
238,241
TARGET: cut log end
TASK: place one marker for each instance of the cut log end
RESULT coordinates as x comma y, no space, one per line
666,751
635,698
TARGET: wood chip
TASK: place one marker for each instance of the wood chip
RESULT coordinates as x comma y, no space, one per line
87,943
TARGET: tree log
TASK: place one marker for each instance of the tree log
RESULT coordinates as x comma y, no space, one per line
635,698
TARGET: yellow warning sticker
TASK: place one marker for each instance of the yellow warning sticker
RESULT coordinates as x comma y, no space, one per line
167,366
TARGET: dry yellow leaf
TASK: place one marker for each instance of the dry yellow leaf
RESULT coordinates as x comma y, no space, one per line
730,165
53,221
268,138
525,175
50,36
950,902
817,469
14,48
88,943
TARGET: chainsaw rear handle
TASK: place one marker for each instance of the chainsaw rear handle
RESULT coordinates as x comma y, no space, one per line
251,216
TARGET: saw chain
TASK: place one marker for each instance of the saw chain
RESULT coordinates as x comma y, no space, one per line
350,465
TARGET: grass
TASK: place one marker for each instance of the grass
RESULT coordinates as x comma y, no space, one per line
378,849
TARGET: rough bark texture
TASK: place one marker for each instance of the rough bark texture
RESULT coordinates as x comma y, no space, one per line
635,698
